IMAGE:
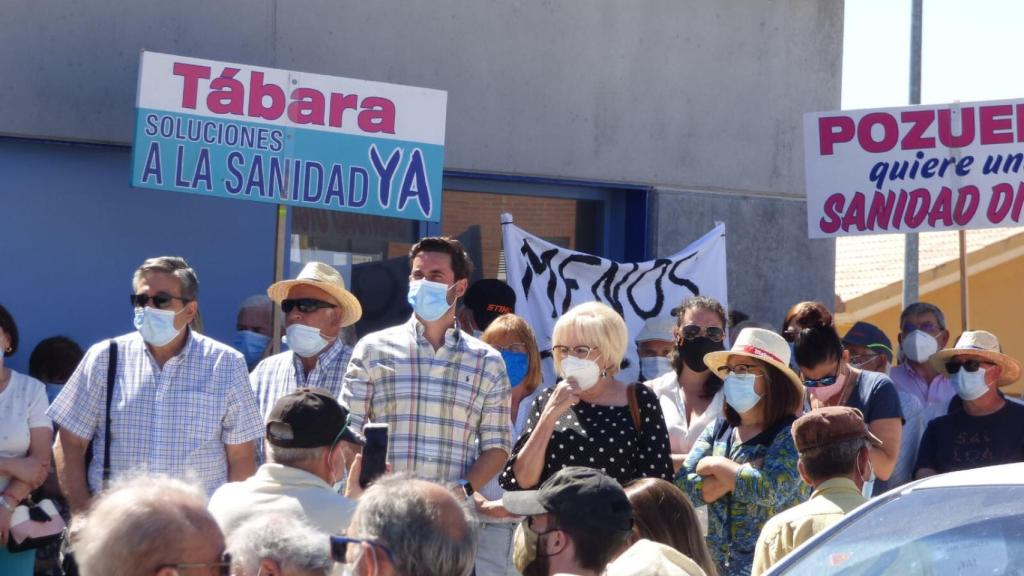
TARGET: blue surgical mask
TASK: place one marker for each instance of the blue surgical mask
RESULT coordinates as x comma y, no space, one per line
969,385
739,392
251,345
516,364
429,299
156,326
306,341
654,366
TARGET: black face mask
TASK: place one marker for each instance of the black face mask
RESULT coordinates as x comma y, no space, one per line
692,352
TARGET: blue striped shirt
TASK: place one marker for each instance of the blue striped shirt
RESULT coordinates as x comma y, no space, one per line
174,421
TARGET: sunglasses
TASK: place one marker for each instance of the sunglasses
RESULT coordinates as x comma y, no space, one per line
826,381
740,369
223,568
340,546
953,366
160,301
713,333
305,305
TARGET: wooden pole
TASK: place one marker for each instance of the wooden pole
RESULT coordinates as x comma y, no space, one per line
963,282
282,216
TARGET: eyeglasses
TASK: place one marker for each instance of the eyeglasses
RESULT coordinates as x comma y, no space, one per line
713,333
928,327
971,365
826,381
740,369
529,524
305,305
515,347
862,359
160,301
223,568
340,546
577,351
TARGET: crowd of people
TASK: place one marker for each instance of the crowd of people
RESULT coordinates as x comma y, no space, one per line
172,453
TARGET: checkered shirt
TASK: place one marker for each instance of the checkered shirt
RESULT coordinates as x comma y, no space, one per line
444,408
172,421
282,373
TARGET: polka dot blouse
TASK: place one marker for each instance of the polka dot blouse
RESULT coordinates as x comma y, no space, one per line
602,437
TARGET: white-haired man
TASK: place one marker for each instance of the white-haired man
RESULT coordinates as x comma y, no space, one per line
180,403
279,545
149,525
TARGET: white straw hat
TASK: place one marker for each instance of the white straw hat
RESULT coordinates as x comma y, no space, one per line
326,278
765,345
983,345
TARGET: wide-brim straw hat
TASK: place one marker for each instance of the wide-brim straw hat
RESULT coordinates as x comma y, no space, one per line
326,278
764,345
982,345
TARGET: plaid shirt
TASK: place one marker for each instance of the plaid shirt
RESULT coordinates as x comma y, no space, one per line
173,421
283,373
439,405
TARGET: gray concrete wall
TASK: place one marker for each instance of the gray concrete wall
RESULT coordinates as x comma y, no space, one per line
771,263
685,93
681,94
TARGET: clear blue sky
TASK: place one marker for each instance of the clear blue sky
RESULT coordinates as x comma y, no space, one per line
971,51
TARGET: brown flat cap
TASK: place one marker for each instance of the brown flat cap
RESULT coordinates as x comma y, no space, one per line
830,425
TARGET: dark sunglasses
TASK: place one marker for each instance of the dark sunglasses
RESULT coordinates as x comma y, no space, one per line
826,381
953,366
340,544
160,301
713,333
305,305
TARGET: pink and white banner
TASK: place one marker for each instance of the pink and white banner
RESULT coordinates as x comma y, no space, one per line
915,169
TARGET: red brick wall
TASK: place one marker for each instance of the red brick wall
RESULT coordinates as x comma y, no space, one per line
547,217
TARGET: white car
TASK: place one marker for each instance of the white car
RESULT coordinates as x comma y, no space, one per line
968,523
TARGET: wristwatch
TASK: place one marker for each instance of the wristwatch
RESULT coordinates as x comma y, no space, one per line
466,487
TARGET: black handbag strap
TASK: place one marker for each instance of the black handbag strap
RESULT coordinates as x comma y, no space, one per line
111,374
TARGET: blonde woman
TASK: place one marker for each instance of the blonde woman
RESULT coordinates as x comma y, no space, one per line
590,418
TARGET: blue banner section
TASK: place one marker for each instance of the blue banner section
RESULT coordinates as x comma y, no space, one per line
283,165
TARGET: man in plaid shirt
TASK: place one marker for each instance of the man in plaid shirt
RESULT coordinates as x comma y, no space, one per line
444,394
181,404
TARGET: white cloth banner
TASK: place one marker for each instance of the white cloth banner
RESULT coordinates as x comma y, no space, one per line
549,280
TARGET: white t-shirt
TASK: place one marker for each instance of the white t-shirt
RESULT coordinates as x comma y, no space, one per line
682,434
23,406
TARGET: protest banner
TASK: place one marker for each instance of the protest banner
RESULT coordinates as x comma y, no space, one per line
285,137
915,169
549,280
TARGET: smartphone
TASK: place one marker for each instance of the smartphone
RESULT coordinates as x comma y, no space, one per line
375,453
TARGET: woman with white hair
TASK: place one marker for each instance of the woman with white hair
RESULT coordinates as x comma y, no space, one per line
590,418
279,545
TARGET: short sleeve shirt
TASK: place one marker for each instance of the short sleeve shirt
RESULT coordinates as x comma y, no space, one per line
876,397
173,420
22,407
959,441
602,437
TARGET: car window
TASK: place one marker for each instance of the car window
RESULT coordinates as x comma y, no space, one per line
961,531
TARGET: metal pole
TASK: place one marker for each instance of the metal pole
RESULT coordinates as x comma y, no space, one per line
910,247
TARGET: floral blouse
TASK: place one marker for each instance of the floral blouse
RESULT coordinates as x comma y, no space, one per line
602,437
735,520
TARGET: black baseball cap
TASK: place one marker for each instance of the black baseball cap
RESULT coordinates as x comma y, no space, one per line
309,418
581,497
488,299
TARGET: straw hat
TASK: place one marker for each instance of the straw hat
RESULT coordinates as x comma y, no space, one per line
764,345
982,345
326,278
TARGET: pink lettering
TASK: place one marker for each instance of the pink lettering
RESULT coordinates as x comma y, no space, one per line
833,207
340,103
307,107
919,121
191,74
227,95
377,115
996,124
966,205
833,130
966,136
890,132
259,91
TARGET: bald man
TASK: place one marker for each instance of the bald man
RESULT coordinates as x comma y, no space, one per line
411,527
